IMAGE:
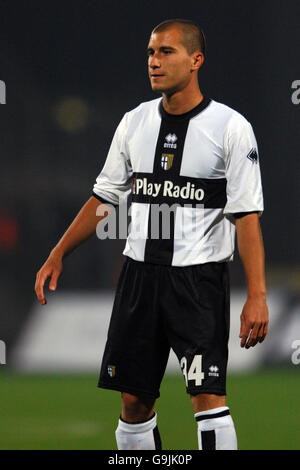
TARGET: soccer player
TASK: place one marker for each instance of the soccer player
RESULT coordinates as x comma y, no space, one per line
199,158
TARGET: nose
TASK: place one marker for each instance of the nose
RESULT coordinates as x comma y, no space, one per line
153,62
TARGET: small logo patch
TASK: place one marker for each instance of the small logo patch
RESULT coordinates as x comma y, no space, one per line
252,155
170,141
213,371
111,371
166,161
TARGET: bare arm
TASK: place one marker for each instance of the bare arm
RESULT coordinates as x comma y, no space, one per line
82,228
254,317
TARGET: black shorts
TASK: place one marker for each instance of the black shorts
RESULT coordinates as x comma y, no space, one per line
161,307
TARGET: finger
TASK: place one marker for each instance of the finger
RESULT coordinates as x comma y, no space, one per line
253,342
260,335
252,337
264,333
40,295
39,288
244,333
243,328
243,340
53,280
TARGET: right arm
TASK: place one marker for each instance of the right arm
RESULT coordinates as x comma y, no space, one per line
82,228
112,185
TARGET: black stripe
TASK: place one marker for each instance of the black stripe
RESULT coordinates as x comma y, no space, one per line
170,145
103,200
238,215
157,439
211,191
161,250
208,440
213,416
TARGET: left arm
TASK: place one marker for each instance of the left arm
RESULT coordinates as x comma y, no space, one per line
254,317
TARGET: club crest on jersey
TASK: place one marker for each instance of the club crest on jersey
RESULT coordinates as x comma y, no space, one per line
167,160
111,371
170,141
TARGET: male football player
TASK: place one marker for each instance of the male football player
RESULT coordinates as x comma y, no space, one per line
198,157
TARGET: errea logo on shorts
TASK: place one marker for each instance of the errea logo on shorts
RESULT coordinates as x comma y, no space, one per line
213,371
170,141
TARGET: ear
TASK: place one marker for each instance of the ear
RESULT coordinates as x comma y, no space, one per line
197,60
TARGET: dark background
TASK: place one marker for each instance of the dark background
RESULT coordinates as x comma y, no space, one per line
73,68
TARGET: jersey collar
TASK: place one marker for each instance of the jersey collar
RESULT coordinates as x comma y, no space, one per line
188,115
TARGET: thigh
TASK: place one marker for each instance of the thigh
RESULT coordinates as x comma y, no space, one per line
137,348
197,324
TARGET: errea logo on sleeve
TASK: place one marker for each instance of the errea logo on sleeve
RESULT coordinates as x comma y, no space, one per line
2,92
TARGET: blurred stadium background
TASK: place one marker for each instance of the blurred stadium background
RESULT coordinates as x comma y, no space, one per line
71,70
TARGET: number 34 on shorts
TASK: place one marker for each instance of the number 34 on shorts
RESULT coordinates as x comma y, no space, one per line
195,371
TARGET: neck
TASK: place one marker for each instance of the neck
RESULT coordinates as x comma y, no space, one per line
181,102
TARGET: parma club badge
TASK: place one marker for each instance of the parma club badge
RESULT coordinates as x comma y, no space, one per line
111,371
166,160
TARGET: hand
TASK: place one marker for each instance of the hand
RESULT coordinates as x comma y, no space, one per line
254,321
51,268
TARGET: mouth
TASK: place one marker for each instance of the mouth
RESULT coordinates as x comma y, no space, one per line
156,76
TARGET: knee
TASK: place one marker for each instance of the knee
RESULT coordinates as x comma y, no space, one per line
131,403
136,408
207,401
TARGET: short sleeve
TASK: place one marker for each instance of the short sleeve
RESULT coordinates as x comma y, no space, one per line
114,181
242,168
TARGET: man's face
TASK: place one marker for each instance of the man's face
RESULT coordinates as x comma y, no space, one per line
169,64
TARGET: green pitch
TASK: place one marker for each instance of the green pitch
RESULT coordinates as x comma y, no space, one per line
70,412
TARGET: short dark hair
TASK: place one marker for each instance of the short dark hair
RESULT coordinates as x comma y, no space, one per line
193,36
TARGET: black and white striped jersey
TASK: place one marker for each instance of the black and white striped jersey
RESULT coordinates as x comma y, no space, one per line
187,175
